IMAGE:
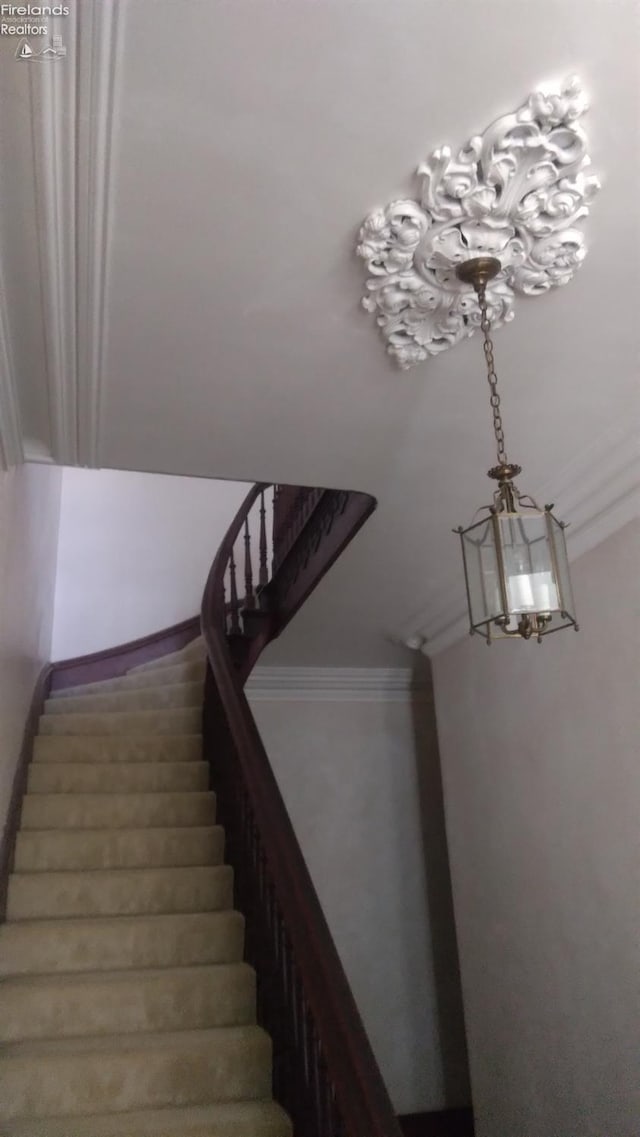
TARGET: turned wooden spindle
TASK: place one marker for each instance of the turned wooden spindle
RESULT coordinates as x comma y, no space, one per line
263,573
223,608
249,595
233,593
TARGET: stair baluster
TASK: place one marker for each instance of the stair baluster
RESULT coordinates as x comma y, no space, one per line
234,626
249,595
263,574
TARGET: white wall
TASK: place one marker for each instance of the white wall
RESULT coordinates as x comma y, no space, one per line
540,753
361,782
134,553
29,506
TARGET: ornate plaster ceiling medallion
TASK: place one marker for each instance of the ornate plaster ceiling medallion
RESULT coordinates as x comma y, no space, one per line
515,192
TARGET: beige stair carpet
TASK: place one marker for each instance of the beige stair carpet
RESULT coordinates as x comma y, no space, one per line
126,1007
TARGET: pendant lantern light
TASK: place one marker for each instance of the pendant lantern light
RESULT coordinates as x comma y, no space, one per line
515,558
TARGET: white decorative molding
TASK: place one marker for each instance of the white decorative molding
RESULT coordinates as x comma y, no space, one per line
71,115
100,50
11,447
334,684
596,493
53,123
515,192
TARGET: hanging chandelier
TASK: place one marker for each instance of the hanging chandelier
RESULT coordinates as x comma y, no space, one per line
515,558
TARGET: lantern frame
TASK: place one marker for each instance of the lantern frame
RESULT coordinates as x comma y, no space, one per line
510,619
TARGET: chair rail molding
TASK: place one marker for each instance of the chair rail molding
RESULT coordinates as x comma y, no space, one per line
517,192
598,492
72,105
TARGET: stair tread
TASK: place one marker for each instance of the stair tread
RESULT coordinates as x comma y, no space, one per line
123,777
193,652
130,1043
71,765
147,714
148,940
262,1118
179,735
77,811
118,891
136,872
126,723
128,794
128,829
90,738
171,686
169,695
134,975
152,846
66,923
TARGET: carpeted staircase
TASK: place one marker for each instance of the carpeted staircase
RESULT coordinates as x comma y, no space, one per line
126,1007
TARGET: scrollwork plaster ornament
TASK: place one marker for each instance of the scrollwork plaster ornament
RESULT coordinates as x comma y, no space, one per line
516,192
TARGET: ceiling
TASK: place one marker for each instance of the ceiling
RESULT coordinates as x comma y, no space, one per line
180,202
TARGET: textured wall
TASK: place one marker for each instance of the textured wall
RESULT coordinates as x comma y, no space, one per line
361,782
29,507
134,553
539,750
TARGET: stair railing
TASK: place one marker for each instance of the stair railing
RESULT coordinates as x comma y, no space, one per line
325,1074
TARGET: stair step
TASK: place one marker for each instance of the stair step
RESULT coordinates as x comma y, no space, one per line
113,892
138,1071
123,1002
50,850
176,673
180,720
127,777
160,697
226,1119
112,748
76,945
117,811
193,652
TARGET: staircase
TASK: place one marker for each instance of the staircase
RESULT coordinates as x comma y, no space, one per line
126,1007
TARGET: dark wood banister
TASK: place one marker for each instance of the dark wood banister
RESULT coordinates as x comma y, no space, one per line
363,1107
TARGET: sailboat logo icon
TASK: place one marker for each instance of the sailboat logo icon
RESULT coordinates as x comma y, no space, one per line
55,50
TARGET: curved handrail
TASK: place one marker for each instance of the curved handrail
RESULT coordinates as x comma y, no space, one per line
360,1101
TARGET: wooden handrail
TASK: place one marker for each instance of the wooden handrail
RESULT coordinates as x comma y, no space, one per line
354,1101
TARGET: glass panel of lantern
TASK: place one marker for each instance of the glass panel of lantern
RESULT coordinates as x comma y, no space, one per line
481,572
527,556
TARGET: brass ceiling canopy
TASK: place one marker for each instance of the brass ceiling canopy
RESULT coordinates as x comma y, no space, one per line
515,557
478,271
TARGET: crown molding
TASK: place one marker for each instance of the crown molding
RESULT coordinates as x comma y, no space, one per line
100,50
53,125
598,492
11,447
334,684
71,116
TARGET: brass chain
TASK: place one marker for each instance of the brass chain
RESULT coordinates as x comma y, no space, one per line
491,375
